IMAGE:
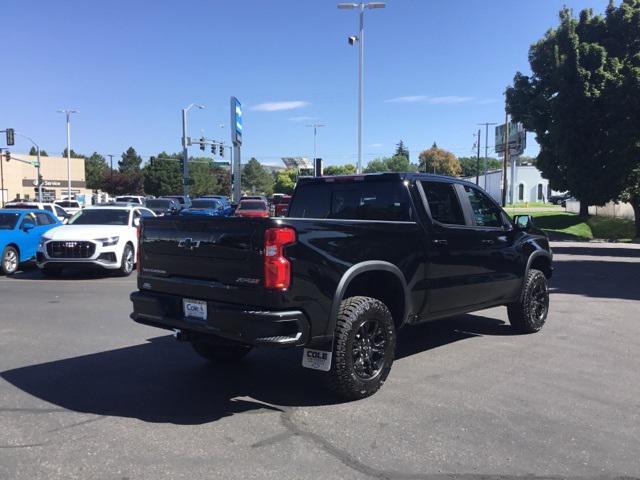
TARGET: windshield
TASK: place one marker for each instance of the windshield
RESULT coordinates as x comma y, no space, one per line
159,203
105,216
252,205
213,204
8,220
67,204
179,199
128,199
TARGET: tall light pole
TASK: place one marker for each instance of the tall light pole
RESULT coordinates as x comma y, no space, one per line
39,183
360,39
315,127
185,146
68,114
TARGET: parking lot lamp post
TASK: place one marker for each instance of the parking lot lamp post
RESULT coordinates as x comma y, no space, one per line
39,183
68,115
185,146
360,39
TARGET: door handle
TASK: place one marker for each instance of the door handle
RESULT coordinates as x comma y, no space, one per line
486,241
440,242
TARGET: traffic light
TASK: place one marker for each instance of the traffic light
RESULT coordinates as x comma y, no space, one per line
182,164
7,155
152,161
202,145
10,136
221,150
213,148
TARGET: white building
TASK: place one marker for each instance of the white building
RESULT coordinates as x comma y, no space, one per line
528,185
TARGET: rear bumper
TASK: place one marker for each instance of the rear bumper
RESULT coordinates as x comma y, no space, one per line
240,323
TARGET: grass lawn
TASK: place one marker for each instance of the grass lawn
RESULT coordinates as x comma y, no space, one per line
571,226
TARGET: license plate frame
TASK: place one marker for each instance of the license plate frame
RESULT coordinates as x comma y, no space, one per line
194,310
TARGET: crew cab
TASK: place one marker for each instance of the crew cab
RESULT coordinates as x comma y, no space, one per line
356,259
95,237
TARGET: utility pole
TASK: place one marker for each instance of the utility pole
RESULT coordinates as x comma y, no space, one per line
486,149
111,174
506,159
360,39
478,161
185,147
68,115
315,127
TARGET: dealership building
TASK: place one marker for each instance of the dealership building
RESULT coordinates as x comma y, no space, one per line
18,178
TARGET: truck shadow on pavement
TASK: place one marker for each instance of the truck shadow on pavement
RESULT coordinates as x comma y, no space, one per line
165,381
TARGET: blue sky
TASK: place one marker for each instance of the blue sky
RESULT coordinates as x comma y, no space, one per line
433,70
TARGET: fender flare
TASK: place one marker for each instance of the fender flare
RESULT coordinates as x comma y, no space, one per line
535,254
354,271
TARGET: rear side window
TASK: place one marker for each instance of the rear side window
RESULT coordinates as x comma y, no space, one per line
43,219
443,203
352,201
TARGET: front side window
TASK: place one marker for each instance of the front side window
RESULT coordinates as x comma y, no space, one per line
146,213
43,219
485,212
443,203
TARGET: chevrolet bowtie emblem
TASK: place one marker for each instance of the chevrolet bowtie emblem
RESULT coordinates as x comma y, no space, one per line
189,244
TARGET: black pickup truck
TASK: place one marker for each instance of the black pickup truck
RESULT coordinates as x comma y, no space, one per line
357,258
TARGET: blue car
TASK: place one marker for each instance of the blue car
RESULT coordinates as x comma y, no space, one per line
20,232
227,207
206,206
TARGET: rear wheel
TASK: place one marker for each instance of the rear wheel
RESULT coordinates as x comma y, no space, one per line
364,347
51,271
221,352
10,261
127,262
529,314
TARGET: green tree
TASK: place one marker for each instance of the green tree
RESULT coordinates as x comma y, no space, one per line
201,172
286,181
95,167
397,163
401,150
582,101
43,153
164,176
33,152
123,183
130,162
439,161
469,165
255,176
73,154
332,170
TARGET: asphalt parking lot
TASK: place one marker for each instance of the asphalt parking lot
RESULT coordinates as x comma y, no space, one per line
86,393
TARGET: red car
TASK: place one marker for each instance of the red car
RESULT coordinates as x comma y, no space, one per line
252,208
281,205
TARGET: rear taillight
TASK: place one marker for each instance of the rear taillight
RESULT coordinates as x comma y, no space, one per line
277,269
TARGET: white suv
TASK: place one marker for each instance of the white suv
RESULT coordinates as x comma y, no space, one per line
56,210
102,237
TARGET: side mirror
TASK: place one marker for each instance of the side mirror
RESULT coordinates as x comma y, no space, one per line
136,222
523,222
28,226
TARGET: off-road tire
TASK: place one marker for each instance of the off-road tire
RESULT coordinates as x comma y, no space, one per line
529,313
221,352
354,314
127,263
51,271
10,261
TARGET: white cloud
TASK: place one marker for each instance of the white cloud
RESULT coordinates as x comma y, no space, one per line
278,106
444,100
302,118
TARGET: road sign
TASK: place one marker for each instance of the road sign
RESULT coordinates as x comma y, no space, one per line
10,136
236,121
222,164
517,138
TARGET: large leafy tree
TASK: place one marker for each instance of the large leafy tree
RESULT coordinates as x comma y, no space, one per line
130,161
286,180
439,161
582,101
95,167
254,176
397,163
163,176
469,165
123,183
331,170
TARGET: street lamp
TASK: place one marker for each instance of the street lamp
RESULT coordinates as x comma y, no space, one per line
360,39
38,168
315,127
185,145
68,114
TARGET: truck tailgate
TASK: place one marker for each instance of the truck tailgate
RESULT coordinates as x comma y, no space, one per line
219,250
